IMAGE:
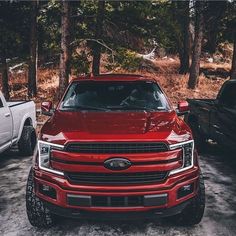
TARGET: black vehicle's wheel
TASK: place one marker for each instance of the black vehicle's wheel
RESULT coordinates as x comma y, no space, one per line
27,141
38,215
194,212
199,138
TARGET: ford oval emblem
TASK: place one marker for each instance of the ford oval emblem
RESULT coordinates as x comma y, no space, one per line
117,163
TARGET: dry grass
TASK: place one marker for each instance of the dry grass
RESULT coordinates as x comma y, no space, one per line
176,85
165,72
224,66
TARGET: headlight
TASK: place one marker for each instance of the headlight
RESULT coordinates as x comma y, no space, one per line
44,150
188,150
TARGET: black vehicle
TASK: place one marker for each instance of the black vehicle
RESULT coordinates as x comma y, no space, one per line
215,118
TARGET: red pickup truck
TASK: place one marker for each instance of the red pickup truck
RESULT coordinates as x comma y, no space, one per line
114,147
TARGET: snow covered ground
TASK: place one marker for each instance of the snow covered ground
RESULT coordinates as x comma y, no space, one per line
220,216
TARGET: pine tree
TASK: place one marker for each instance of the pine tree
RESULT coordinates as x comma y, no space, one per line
233,68
5,86
32,73
185,52
197,45
65,51
98,34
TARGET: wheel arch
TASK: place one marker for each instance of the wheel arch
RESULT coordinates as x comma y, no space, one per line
26,121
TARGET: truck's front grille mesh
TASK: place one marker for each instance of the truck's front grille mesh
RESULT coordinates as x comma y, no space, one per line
114,147
116,178
103,201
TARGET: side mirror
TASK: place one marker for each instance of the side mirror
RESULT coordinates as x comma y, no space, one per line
46,108
217,102
183,108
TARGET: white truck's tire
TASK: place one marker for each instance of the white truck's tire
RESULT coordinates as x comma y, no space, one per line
27,141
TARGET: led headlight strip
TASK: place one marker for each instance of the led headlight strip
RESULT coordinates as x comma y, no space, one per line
44,149
188,153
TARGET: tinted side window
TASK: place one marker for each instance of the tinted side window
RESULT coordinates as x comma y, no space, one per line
1,104
228,96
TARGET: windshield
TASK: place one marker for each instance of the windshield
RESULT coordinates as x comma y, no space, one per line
119,95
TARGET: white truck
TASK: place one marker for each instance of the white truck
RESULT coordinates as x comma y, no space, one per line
17,125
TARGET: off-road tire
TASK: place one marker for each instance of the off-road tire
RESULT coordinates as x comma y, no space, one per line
38,215
27,141
194,212
199,138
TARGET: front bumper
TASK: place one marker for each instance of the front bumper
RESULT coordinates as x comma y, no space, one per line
171,205
131,215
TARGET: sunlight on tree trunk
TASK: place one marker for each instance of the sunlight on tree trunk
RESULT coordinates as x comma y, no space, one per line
65,51
98,34
197,46
32,73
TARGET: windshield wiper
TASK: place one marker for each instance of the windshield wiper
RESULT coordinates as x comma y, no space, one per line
139,107
136,107
81,107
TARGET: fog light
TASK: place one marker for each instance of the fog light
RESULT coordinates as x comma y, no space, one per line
47,191
185,190
45,188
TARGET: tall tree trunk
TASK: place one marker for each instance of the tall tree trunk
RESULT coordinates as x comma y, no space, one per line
5,86
216,10
212,36
233,68
185,52
32,72
98,34
65,48
197,45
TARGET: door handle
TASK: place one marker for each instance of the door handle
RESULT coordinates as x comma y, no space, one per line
7,115
203,109
216,126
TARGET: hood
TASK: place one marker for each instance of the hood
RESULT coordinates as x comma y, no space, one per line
115,126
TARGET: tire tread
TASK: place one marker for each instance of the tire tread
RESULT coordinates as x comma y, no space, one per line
38,215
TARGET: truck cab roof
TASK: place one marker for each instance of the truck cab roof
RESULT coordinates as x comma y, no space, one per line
112,77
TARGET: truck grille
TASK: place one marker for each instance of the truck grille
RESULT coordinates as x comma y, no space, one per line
100,201
122,147
116,178
117,201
